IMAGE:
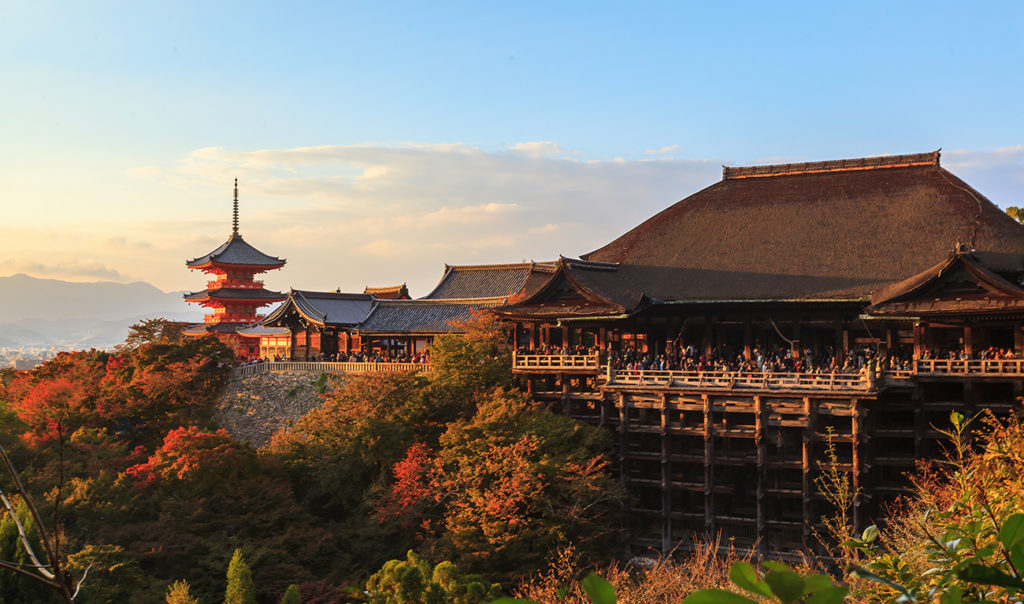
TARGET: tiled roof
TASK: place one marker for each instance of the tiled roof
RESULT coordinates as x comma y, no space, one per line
324,308
394,292
237,252
414,316
227,293
489,281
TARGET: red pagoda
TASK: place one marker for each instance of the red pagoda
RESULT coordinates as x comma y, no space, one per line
233,295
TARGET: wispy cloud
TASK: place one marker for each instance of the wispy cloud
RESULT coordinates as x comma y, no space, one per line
398,212
662,151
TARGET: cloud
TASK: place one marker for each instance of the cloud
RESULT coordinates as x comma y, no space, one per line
75,270
662,151
542,149
377,213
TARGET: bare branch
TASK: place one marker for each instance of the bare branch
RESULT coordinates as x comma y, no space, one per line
40,567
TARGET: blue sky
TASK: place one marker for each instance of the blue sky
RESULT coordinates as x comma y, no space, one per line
458,132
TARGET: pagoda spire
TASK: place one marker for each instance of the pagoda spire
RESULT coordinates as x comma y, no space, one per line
234,220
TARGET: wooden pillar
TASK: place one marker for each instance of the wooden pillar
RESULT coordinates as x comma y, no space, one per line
666,478
623,435
1018,340
709,468
858,431
565,336
796,345
760,423
918,340
747,338
890,341
708,335
566,394
602,338
807,484
969,341
839,340
846,340
534,335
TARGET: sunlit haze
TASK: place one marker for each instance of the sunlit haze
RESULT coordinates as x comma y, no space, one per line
375,142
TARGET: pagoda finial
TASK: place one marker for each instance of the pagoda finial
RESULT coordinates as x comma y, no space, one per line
234,221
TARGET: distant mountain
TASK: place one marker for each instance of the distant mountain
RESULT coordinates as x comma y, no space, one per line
50,312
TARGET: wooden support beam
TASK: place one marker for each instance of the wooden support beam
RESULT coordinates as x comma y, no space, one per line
807,483
709,335
760,424
709,468
1018,340
969,341
666,478
566,394
858,465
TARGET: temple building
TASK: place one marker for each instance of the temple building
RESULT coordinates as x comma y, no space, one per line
383,322
732,338
233,294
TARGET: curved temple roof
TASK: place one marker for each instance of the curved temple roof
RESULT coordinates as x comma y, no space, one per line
236,252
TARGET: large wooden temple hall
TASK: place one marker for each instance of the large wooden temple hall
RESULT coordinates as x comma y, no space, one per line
728,339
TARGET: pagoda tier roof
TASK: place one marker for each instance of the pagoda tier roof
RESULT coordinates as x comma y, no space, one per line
821,231
394,292
490,282
203,329
323,308
236,252
236,294
415,317
260,331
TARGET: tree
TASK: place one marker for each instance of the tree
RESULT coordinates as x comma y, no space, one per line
153,330
413,580
475,361
291,595
178,593
240,588
1016,213
509,486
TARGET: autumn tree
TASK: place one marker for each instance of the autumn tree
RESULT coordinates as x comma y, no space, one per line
1016,213
240,589
509,486
153,330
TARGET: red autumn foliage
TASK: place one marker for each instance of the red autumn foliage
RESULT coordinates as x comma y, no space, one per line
412,489
188,453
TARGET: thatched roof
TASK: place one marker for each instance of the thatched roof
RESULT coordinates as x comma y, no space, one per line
814,231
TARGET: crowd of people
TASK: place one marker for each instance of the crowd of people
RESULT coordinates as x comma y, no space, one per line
353,357
725,359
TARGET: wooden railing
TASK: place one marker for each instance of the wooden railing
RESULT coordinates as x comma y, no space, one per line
970,366
326,367
741,380
563,362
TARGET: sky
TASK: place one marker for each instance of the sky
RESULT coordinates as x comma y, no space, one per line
376,141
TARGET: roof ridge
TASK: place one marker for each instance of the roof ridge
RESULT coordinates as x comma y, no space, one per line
837,165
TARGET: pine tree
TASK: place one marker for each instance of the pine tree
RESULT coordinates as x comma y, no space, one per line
291,595
240,588
15,587
178,593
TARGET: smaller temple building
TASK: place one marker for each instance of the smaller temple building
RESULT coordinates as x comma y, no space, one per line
233,295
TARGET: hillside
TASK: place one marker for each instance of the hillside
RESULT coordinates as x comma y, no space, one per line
51,312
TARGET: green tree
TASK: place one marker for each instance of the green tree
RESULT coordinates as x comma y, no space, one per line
153,330
291,595
178,593
1016,213
16,588
413,581
475,361
240,588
